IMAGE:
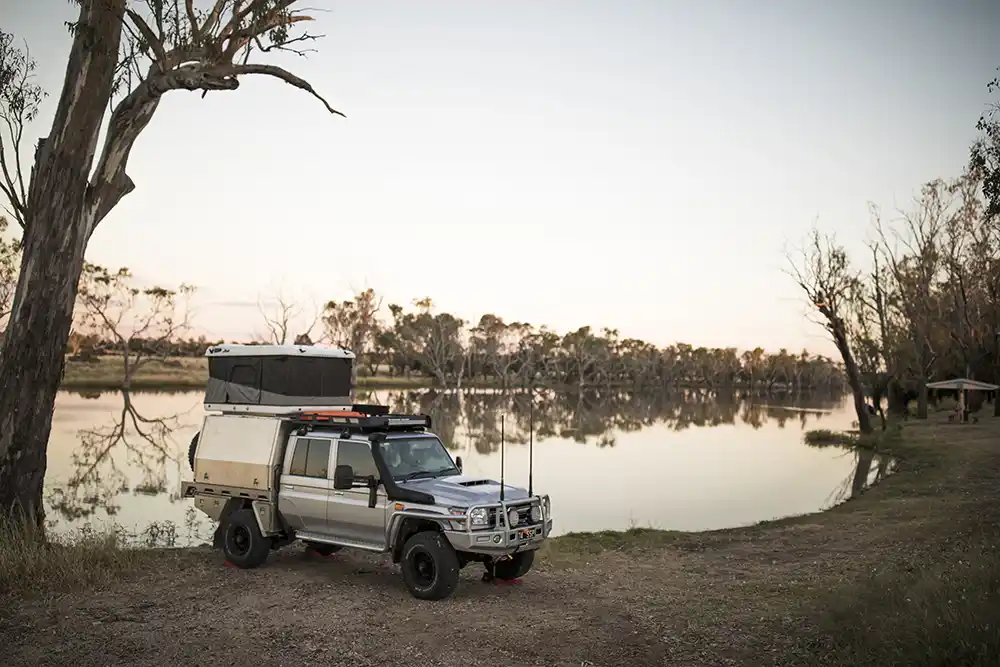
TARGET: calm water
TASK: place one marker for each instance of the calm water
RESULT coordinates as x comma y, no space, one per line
680,461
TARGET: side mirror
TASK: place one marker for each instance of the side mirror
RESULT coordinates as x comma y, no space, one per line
343,478
458,463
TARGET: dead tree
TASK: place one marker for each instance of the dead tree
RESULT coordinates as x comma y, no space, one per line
136,52
825,276
913,258
144,323
280,316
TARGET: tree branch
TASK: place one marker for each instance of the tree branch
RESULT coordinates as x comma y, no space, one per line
287,77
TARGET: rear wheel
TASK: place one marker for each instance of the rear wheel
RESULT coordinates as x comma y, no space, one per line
430,566
516,567
242,541
192,448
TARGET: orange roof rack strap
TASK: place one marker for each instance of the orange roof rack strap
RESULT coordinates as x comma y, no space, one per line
329,415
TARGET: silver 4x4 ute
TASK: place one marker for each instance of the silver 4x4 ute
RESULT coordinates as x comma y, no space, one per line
364,479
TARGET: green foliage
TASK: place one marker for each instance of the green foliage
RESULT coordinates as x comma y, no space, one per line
20,98
985,158
10,251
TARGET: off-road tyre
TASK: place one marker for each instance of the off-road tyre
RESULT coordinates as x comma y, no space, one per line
515,568
430,566
192,448
323,549
242,542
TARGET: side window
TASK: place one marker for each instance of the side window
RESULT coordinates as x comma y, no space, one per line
318,458
243,374
358,455
311,458
298,466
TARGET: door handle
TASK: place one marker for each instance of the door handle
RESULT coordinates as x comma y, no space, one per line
338,493
289,487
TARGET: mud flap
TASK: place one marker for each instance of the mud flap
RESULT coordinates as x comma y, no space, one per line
217,537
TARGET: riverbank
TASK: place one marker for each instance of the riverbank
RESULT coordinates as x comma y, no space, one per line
905,574
105,373
179,373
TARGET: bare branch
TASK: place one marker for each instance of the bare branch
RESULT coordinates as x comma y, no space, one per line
20,98
287,77
152,40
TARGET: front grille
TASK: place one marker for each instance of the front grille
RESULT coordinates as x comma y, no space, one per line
523,514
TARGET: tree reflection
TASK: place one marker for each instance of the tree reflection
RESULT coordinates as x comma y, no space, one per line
98,477
869,469
590,417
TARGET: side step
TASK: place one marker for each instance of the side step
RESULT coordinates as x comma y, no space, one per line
340,542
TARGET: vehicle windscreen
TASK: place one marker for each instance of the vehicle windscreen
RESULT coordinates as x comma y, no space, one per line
418,457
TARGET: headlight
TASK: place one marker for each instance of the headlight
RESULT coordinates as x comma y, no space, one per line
479,516
536,513
512,517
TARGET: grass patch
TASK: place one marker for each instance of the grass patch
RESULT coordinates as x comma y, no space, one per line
106,373
941,613
822,437
30,564
877,439
607,540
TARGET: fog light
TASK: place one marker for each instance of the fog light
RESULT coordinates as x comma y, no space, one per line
512,517
536,513
496,539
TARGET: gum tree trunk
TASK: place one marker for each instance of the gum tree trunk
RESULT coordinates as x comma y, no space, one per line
60,219
853,379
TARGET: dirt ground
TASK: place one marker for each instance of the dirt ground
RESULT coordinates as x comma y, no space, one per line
738,597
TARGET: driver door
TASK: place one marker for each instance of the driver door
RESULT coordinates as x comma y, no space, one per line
349,515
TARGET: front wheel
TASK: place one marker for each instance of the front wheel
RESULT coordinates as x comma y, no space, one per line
242,541
430,566
515,567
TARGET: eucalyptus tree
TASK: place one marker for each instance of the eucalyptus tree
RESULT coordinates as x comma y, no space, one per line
125,56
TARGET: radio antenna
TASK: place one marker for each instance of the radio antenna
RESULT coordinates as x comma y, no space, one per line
501,457
531,442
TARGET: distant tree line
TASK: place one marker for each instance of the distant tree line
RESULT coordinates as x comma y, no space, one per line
115,317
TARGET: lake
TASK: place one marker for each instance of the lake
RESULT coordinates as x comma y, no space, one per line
613,460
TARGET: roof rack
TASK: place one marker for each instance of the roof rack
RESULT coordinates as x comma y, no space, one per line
360,418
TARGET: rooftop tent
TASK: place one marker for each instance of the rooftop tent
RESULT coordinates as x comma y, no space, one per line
278,375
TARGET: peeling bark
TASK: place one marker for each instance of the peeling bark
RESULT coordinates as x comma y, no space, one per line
56,234
64,205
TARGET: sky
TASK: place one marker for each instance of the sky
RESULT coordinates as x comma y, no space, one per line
640,165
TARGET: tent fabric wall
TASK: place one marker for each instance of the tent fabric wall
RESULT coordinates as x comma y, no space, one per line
279,380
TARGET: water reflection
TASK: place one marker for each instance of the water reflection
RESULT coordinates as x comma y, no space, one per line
98,479
594,417
869,469
687,460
